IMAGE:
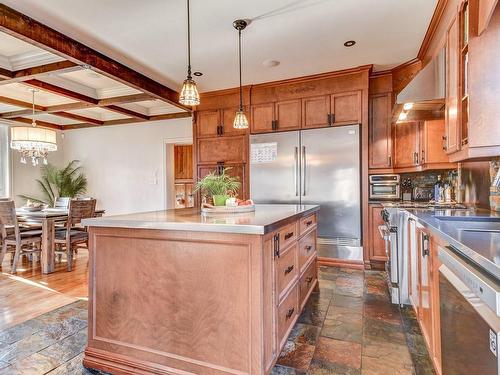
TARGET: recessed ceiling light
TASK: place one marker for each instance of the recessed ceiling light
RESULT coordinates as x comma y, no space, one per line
270,63
350,43
407,106
198,74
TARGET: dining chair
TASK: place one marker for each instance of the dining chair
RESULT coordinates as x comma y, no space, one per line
22,242
72,234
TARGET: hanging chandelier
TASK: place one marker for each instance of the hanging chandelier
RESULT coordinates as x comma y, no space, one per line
240,121
32,142
189,93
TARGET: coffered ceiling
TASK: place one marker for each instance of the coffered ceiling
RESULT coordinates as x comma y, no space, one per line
305,36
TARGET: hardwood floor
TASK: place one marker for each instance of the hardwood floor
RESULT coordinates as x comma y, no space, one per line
29,293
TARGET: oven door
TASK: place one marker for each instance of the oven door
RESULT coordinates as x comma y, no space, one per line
469,327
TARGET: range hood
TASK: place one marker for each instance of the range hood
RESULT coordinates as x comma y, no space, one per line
428,84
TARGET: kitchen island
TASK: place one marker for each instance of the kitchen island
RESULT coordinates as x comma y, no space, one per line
177,292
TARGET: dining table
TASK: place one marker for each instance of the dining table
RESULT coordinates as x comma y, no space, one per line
47,219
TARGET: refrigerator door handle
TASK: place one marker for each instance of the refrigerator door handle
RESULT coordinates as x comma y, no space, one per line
296,172
304,170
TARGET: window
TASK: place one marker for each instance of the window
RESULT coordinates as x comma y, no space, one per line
4,162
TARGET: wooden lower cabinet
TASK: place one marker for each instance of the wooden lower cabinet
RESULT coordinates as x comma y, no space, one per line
378,255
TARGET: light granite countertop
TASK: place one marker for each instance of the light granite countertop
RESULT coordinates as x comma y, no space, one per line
265,219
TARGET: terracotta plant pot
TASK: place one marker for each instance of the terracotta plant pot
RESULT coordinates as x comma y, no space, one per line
219,200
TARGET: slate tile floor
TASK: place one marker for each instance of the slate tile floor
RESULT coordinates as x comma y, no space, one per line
348,327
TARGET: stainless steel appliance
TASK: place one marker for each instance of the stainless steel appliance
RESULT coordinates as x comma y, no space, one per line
316,166
470,322
384,187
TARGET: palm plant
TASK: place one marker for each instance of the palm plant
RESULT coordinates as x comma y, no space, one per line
54,183
218,185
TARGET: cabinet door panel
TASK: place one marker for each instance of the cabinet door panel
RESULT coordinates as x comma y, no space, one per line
289,114
222,149
451,113
431,145
262,116
207,123
228,115
380,131
315,111
425,287
346,107
377,242
406,137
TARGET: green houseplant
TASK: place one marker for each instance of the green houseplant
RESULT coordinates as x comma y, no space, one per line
55,183
218,186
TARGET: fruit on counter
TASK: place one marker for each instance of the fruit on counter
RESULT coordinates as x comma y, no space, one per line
247,202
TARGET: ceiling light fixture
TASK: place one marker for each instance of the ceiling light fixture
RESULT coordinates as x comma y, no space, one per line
31,141
189,93
350,43
403,116
240,121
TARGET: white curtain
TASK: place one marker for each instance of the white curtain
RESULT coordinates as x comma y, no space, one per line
4,162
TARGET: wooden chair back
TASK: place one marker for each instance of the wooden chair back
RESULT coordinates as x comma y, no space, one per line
80,209
8,217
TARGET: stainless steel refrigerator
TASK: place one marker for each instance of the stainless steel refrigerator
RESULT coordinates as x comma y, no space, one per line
316,166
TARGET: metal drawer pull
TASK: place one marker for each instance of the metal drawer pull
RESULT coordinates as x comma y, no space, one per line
288,235
309,248
309,279
309,222
290,313
289,269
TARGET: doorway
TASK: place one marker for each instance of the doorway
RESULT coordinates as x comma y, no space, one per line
179,175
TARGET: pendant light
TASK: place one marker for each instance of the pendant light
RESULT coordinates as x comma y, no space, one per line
189,93
240,121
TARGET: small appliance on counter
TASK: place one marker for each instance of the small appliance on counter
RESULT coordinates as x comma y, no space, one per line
423,193
384,187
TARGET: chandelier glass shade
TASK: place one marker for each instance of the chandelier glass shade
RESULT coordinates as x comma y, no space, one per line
240,120
189,93
33,143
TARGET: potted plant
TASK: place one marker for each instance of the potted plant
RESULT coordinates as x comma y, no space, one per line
57,183
218,186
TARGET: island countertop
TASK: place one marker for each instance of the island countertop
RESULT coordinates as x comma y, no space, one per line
265,219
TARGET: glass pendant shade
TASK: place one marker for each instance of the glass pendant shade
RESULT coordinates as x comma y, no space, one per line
33,143
240,121
189,93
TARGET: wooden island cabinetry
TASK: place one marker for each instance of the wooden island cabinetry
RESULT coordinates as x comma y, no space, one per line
198,294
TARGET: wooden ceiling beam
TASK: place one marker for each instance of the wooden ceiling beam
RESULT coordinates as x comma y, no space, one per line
30,73
74,116
49,87
25,28
127,112
20,103
5,75
42,124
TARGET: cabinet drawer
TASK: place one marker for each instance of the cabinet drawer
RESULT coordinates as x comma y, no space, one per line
307,248
222,149
286,269
287,311
288,234
307,281
306,223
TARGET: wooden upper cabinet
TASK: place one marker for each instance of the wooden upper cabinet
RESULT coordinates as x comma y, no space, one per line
316,112
288,115
380,131
207,123
452,91
262,118
346,108
222,150
406,139
432,148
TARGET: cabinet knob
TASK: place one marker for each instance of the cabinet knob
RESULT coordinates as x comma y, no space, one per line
288,235
309,248
290,313
309,279
289,269
309,223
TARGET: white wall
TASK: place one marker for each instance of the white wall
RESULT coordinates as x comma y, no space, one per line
124,164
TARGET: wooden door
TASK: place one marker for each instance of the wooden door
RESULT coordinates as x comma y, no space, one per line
227,116
380,145
425,290
452,92
222,149
262,118
377,242
406,138
288,115
432,148
346,108
316,112
207,123
183,162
